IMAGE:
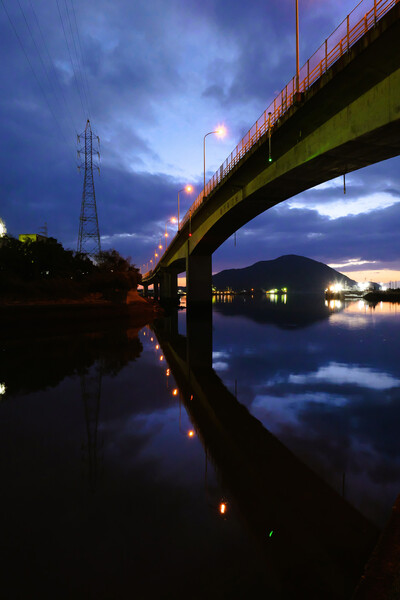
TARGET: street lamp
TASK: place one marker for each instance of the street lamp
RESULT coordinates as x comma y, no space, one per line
171,220
221,132
188,189
297,47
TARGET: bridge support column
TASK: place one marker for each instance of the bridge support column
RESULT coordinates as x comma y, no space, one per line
169,286
156,290
145,290
198,279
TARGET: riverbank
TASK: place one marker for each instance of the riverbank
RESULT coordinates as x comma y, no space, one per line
75,314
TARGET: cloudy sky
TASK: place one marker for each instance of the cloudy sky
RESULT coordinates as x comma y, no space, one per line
154,77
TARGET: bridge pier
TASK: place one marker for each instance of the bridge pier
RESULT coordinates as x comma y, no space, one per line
198,279
145,290
168,285
156,290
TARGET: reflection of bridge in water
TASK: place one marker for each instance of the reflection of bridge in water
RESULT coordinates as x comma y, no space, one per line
319,543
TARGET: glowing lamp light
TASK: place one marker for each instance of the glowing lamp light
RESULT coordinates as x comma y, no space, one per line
189,188
191,433
222,508
167,372
173,220
157,347
151,339
221,131
175,392
336,288
161,358
2,388
3,229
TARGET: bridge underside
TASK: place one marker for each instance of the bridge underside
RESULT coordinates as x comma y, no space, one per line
347,120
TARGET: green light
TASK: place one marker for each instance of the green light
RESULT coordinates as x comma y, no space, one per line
271,532
270,159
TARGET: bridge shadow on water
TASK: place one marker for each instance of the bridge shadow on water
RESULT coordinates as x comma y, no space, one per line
314,542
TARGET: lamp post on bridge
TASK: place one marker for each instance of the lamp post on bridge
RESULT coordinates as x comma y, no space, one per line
220,132
297,49
188,189
171,220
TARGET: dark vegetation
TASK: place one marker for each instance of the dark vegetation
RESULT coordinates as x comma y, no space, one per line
37,270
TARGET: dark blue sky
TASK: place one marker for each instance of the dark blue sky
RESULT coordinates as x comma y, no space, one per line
154,77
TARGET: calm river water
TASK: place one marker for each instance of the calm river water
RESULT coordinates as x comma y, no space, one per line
148,463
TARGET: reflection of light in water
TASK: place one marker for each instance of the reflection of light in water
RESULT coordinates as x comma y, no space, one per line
357,315
362,306
2,388
341,374
222,297
334,304
175,392
222,508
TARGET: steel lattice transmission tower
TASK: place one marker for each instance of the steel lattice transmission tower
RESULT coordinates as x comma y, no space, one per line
89,236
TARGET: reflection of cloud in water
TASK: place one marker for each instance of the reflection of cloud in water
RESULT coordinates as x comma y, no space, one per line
351,322
287,406
221,354
337,373
218,364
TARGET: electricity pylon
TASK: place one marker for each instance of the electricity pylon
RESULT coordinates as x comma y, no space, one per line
89,236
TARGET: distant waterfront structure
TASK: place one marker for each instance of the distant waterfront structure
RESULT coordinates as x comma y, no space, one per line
3,228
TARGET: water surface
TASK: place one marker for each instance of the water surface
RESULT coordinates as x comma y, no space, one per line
115,463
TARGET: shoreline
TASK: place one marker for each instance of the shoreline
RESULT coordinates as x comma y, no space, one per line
73,315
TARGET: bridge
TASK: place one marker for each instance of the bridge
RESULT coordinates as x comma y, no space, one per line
341,114
317,536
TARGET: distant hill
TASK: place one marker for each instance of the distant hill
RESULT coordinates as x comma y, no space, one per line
297,273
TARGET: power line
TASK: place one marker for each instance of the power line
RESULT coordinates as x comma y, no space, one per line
38,53
70,56
33,70
77,58
82,55
51,62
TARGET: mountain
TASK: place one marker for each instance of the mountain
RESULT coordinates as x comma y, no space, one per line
296,273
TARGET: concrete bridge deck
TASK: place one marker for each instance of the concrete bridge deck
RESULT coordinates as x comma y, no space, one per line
349,118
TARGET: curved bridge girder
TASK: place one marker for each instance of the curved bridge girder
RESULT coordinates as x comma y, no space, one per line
349,119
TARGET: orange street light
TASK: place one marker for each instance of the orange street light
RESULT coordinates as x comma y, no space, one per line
171,220
188,189
221,131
